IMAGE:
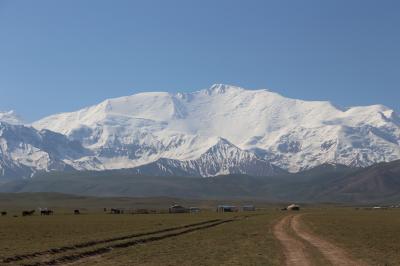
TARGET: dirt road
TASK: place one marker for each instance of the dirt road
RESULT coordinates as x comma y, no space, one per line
295,239
295,250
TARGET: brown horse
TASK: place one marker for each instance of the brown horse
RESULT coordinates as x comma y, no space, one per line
28,213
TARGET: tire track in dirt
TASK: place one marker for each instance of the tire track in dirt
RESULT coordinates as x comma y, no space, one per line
294,250
59,250
334,254
100,251
295,239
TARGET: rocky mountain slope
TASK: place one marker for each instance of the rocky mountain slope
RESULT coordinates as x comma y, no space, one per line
25,151
221,159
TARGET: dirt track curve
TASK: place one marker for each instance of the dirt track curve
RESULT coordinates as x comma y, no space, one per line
293,237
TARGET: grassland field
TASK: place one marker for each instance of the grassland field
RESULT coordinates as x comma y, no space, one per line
243,241
370,235
205,238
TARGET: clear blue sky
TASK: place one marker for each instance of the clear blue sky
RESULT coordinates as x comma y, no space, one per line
58,56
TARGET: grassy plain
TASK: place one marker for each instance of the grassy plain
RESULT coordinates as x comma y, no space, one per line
370,235
28,234
96,238
240,241
244,242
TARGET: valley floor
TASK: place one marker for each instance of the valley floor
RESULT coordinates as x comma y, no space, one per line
156,239
313,236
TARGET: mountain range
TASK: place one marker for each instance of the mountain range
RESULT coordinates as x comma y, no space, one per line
221,130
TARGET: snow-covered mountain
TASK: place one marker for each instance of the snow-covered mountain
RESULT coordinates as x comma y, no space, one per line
293,134
11,117
219,130
25,151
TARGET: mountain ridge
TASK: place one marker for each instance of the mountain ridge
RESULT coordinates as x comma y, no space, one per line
11,117
221,159
292,134
174,130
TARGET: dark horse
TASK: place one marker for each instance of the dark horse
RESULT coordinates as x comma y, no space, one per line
28,213
3,213
77,212
116,211
46,212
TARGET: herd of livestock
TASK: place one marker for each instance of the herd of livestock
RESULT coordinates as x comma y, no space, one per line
173,209
48,212
43,212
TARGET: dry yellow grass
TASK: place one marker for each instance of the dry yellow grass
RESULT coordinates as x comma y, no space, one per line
244,241
28,234
371,235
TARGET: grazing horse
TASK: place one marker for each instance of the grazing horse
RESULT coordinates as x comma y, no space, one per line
3,213
116,211
77,212
46,212
28,213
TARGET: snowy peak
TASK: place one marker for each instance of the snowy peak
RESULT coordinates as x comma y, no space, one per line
223,146
225,150
11,117
289,133
221,89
